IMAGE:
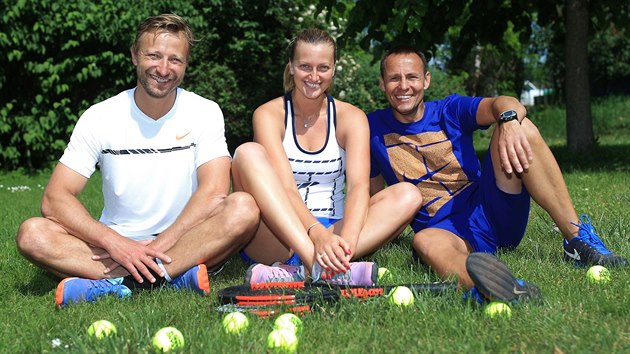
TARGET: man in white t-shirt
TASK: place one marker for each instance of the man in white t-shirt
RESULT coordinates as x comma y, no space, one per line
167,216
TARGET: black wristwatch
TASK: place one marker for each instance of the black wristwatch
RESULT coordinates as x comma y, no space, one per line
508,116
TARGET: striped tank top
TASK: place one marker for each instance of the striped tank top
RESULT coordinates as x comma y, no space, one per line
319,175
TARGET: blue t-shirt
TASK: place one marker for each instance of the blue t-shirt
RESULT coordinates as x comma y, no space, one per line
435,153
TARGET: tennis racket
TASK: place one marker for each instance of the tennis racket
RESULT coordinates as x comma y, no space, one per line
264,299
266,310
263,311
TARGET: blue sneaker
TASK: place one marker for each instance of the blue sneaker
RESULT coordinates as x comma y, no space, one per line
494,281
195,278
588,249
76,290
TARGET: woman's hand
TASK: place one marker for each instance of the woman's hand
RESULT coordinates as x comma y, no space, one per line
332,252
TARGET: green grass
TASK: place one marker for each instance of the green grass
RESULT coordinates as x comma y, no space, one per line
576,318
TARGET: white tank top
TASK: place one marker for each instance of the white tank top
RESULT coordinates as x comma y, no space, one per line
319,175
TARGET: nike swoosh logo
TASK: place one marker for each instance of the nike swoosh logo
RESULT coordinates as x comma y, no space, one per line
575,255
180,137
518,292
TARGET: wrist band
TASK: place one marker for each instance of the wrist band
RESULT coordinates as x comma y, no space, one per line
308,229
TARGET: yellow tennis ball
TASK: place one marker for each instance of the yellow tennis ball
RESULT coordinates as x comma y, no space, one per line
290,322
282,341
497,309
383,273
101,329
598,275
401,296
167,339
235,322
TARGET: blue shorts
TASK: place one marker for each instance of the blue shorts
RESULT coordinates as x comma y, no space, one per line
494,220
294,259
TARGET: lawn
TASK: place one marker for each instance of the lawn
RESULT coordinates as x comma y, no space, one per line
576,317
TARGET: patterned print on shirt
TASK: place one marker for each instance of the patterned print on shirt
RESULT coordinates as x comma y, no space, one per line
147,151
427,160
308,176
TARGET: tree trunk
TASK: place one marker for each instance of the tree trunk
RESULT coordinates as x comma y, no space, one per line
578,94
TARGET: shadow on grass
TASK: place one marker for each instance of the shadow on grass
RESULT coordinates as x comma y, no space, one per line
41,284
600,158
613,158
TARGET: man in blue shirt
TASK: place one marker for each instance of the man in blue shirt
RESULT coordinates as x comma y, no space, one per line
469,207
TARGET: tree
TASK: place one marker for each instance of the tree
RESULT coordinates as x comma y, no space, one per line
61,57
578,95
58,58
609,67
426,24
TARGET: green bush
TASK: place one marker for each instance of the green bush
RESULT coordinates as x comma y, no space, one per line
61,57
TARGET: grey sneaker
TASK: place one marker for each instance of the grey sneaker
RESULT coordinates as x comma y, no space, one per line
495,281
359,274
260,273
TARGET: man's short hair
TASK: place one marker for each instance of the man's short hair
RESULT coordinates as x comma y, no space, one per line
404,49
164,23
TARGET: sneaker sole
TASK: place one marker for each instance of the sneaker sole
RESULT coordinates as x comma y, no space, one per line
492,277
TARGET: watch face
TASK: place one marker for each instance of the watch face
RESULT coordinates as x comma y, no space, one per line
508,116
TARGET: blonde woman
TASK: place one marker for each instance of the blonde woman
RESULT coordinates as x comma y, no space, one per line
308,170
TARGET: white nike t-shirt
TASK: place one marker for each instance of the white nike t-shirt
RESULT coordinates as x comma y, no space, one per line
149,167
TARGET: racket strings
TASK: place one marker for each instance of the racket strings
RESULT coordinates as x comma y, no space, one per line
264,311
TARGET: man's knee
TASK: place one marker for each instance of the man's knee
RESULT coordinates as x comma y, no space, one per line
532,133
432,246
424,246
30,237
242,213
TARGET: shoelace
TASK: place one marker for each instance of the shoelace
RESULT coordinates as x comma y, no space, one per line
181,281
101,287
587,231
279,274
342,278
